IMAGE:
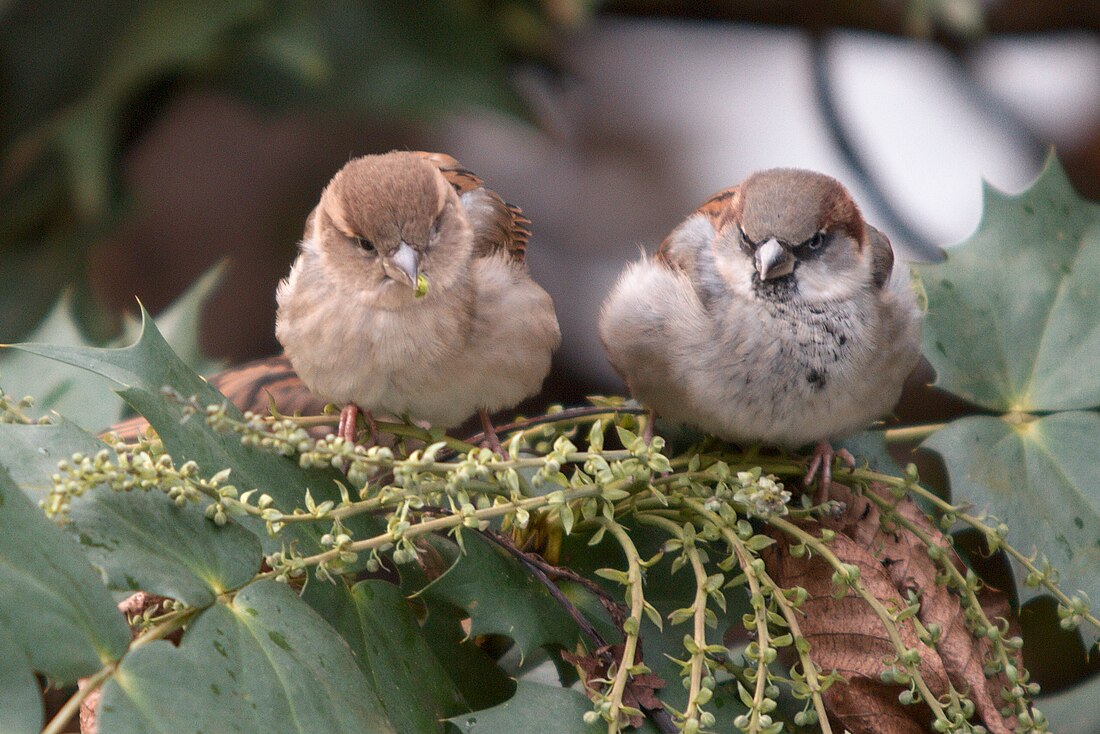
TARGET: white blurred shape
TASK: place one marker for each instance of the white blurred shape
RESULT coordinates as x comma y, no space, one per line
1051,81
926,138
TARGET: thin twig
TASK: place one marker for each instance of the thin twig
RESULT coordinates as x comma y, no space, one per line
565,415
615,609
542,570
93,682
571,609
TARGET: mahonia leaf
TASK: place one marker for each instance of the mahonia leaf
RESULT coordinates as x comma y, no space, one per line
537,708
67,624
143,369
1037,475
1012,312
70,391
261,662
392,652
502,597
78,394
20,699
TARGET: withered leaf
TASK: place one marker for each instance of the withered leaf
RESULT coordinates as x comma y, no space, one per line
640,691
847,636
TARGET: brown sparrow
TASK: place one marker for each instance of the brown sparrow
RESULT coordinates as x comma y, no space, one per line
772,314
411,297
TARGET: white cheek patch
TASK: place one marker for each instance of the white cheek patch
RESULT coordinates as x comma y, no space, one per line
737,270
817,281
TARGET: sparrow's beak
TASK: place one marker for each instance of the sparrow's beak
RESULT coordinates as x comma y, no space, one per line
404,264
773,260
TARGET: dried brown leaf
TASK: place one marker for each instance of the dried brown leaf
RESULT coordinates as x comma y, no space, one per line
640,691
847,636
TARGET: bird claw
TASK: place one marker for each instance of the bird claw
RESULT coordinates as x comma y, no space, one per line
491,441
348,418
822,462
348,429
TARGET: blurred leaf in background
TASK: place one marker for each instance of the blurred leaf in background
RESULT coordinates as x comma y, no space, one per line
80,82
79,395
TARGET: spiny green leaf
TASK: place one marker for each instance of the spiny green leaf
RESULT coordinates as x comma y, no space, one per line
20,698
265,647
68,624
143,369
138,540
1040,478
143,541
78,394
413,688
161,688
31,453
1011,319
537,708
502,597
71,391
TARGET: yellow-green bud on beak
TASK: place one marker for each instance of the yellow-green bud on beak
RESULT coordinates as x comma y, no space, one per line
421,286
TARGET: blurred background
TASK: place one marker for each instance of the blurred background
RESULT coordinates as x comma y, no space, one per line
144,141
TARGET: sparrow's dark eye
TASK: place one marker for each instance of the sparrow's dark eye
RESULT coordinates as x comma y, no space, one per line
438,223
364,244
815,242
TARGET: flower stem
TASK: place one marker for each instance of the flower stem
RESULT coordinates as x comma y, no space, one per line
910,434
630,638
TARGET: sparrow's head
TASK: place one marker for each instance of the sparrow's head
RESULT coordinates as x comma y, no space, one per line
386,220
793,234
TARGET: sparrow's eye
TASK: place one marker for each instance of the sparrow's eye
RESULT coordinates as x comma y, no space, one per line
812,245
438,223
364,244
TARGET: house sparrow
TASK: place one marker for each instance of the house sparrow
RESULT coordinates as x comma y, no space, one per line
411,297
772,314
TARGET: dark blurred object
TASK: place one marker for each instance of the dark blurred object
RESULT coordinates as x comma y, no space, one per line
81,83
908,17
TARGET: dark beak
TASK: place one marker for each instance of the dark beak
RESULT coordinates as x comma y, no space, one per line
404,264
773,260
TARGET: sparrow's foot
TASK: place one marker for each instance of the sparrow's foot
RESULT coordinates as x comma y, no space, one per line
349,416
349,424
822,462
491,439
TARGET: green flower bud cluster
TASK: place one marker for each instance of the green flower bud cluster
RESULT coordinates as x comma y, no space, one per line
14,411
1071,615
135,468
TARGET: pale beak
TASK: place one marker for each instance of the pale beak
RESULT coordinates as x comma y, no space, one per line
406,262
773,260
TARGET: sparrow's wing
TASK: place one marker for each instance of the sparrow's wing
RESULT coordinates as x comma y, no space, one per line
683,247
499,227
252,386
882,256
